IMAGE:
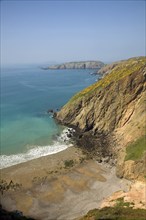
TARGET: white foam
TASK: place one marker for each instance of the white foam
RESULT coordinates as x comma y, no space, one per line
65,135
61,144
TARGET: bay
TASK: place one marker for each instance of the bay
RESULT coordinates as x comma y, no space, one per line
27,130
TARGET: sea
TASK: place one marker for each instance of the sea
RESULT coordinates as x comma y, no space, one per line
27,130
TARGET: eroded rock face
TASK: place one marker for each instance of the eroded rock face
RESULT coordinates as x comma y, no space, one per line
108,68
108,108
113,107
134,170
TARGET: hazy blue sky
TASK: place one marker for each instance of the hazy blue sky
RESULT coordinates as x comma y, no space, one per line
44,31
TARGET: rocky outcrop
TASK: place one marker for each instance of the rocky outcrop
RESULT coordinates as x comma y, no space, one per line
108,68
132,169
109,112
78,65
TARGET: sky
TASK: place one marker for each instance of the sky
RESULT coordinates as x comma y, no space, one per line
71,30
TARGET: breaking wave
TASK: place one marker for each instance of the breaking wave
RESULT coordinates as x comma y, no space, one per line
62,143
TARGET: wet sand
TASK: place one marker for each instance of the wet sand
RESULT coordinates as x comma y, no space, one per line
51,191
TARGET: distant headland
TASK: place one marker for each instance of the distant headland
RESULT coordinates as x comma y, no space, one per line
76,65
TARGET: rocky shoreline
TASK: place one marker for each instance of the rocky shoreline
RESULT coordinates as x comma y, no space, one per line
100,146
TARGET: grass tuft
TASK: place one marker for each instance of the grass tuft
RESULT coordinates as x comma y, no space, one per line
69,163
136,150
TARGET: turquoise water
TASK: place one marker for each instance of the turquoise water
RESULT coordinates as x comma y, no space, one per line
27,131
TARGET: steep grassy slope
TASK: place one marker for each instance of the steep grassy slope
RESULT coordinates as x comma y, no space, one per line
114,106
122,70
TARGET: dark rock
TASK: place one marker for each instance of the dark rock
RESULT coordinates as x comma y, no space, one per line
54,114
50,111
99,160
69,135
106,160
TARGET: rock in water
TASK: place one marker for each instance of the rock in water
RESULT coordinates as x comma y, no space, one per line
50,111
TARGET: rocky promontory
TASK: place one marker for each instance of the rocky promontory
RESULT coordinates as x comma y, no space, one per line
78,65
107,68
109,117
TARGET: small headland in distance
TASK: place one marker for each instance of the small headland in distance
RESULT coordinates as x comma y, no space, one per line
76,65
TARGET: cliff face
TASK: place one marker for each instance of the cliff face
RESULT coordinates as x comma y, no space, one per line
79,65
109,103
108,68
114,106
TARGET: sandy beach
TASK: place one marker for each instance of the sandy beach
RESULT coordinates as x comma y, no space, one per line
46,188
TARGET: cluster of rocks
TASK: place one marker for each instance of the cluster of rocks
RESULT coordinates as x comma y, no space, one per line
4,186
66,135
70,132
99,146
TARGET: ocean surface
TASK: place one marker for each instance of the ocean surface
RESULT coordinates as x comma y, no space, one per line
27,130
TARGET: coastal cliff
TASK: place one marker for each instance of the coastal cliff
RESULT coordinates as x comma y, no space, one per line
110,115
108,68
78,65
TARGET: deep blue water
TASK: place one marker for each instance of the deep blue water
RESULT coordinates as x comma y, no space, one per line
27,131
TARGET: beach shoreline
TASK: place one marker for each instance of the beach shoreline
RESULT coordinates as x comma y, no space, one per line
45,165
54,187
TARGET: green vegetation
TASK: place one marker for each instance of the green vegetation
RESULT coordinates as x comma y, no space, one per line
69,163
120,203
39,180
116,213
4,186
14,215
122,70
121,211
136,150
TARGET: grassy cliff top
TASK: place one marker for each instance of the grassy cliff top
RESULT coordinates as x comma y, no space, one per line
122,70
